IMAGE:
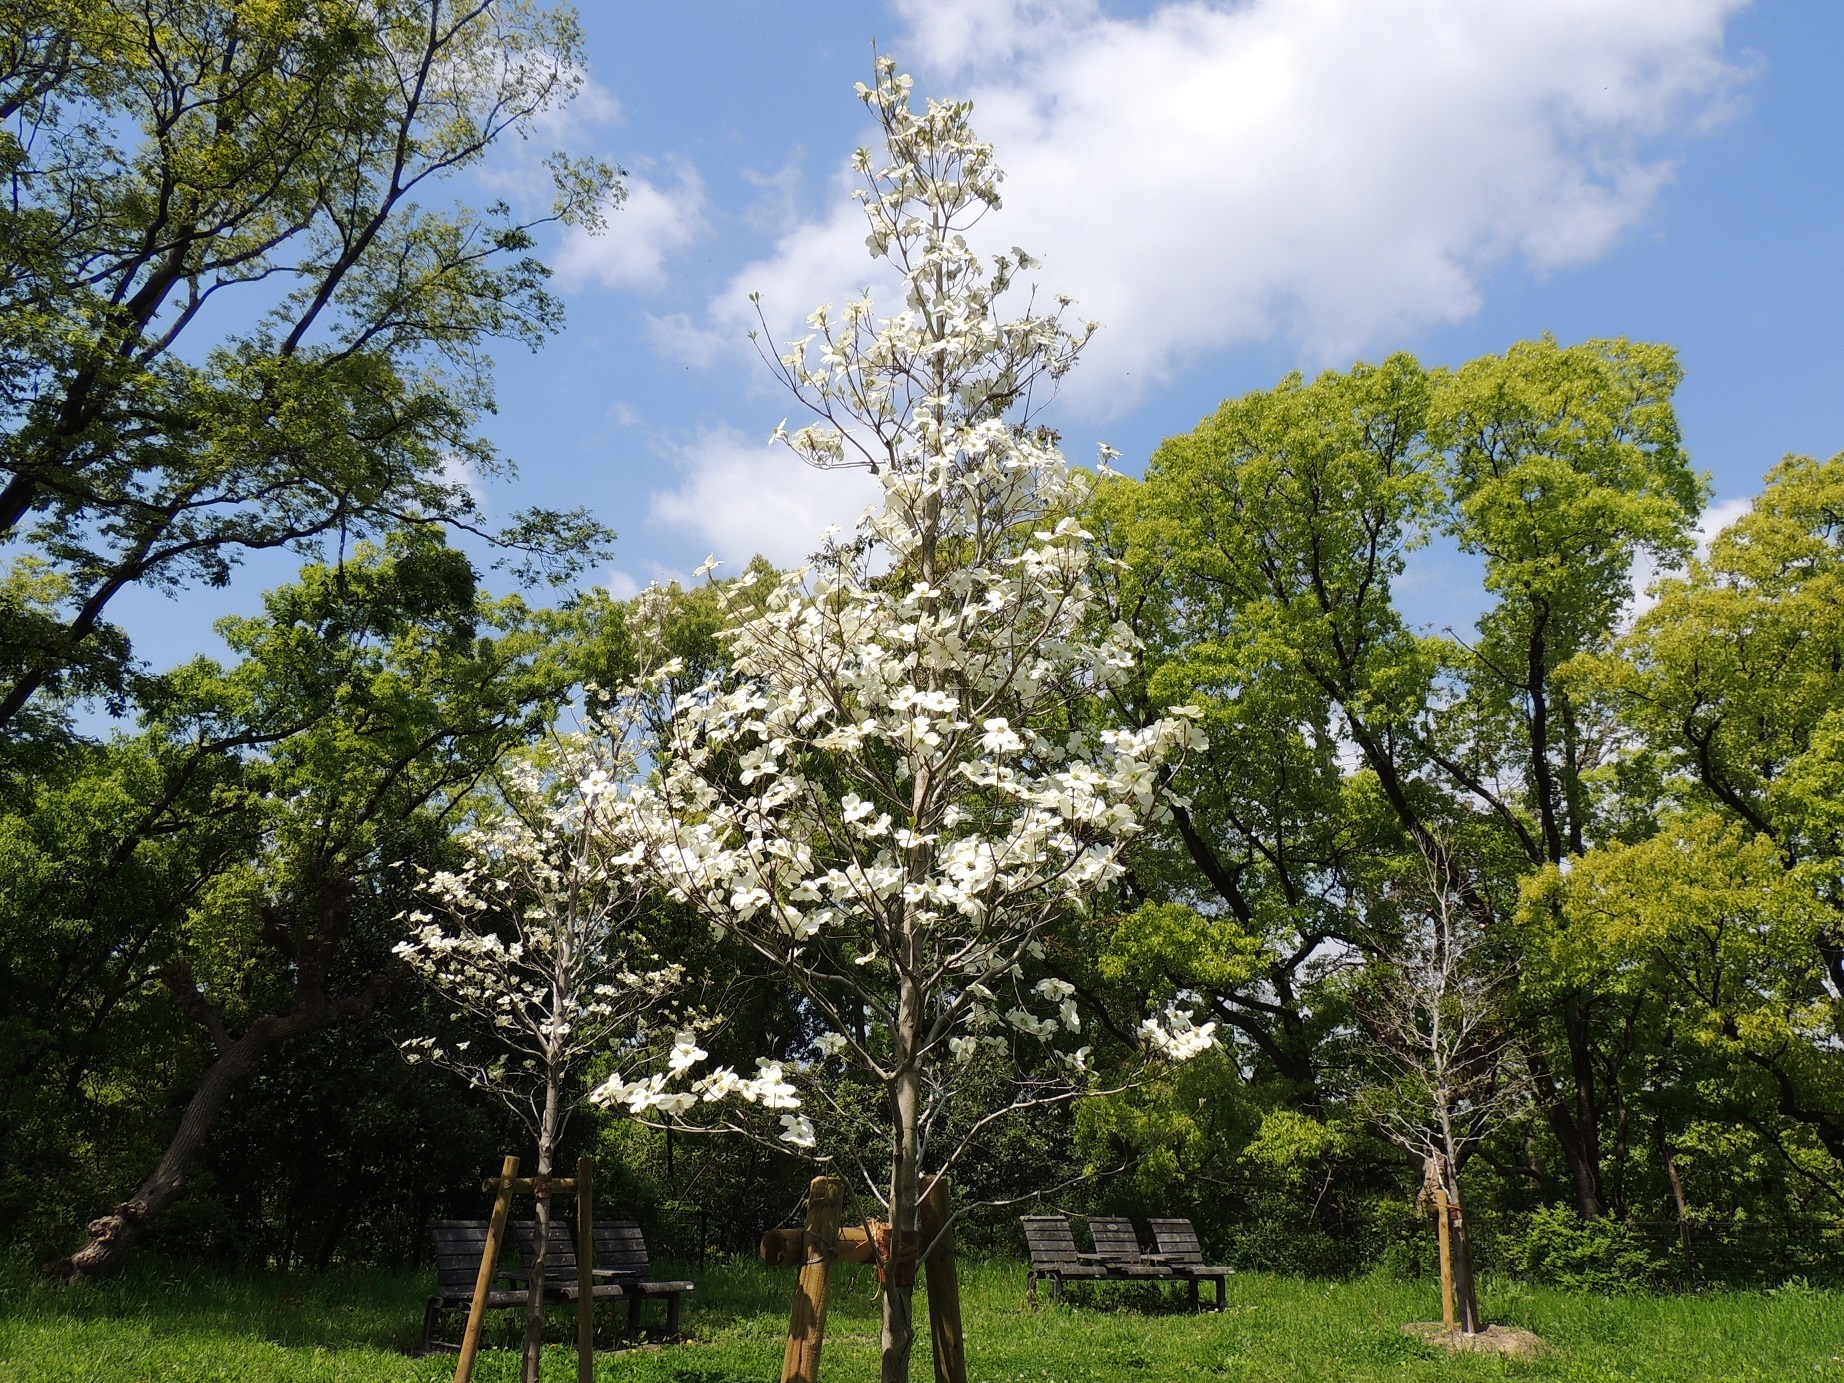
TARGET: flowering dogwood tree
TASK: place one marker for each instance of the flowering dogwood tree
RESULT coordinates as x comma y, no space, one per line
538,939
895,794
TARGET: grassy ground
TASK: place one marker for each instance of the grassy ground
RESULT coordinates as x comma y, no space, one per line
162,1324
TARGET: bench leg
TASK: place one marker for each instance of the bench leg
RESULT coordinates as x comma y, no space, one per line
430,1314
1222,1289
633,1314
1195,1306
672,1315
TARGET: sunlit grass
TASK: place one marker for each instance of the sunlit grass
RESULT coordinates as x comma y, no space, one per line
160,1323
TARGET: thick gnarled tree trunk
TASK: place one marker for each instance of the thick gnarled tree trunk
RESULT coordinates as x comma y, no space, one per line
237,1060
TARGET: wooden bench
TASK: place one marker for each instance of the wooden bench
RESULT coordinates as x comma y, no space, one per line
621,1251
1117,1247
1054,1257
459,1245
623,1270
1178,1246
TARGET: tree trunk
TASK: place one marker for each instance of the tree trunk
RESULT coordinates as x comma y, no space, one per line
899,1325
1681,1202
1580,1147
1445,1167
1465,1292
111,1234
534,1301
237,1060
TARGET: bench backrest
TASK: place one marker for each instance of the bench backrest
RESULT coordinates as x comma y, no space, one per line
1050,1240
1114,1237
559,1260
458,1247
621,1248
1178,1242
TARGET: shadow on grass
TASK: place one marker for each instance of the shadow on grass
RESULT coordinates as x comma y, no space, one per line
383,1310
337,1310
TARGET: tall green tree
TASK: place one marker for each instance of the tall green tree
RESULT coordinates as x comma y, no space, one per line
232,317
1266,549
1731,690
267,801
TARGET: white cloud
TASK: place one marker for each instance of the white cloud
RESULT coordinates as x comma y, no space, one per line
1718,516
677,337
458,470
1334,172
631,250
778,205
738,497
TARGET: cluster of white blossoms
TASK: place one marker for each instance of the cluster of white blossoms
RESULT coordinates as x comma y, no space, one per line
541,937
531,935
896,791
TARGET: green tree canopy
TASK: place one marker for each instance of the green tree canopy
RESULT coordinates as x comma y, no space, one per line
232,316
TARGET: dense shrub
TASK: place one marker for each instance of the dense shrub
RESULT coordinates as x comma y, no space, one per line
1554,1245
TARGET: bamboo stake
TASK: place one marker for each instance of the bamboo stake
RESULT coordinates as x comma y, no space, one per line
807,1322
943,1278
1440,1210
585,1271
489,1264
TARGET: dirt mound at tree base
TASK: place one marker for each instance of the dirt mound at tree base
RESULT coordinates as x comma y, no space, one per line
1494,1339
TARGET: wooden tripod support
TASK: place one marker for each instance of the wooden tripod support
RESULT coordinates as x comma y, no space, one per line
504,1187
815,1249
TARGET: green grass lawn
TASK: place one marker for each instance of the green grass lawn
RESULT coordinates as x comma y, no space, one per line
186,1326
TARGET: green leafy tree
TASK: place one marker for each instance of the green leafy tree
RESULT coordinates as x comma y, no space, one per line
231,317
1264,551
369,700
1731,689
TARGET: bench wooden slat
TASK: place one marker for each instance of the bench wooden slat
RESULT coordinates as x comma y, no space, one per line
1052,1245
1119,1246
459,1245
1178,1241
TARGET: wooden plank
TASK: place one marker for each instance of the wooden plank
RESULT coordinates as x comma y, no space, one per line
585,1271
1440,1210
489,1264
807,1321
531,1186
942,1276
789,1248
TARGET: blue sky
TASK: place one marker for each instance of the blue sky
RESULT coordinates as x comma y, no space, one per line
1234,189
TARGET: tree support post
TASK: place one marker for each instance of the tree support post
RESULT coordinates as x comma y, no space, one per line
585,1271
1443,1221
504,1187
807,1322
823,1243
489,1263
934,1220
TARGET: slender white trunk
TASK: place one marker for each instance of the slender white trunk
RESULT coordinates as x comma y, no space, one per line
547,1151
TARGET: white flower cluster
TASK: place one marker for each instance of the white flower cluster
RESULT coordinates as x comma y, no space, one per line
769,1088
540,938
1176,1036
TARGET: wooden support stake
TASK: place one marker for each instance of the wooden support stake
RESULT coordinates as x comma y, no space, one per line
531,1186
807,1323
943,1279
790,1248
489,1265
585,1271
1440,1211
